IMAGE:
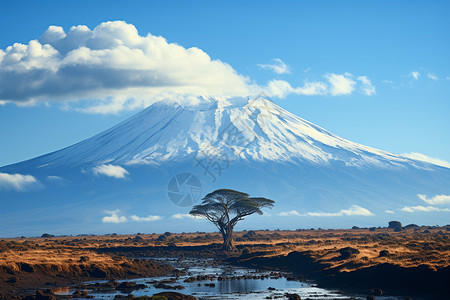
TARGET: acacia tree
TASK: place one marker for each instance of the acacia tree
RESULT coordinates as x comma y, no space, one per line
224,208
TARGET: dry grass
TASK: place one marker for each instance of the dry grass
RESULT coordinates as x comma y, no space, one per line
408,248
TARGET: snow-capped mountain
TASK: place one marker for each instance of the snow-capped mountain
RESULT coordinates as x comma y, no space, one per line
249,129
247,144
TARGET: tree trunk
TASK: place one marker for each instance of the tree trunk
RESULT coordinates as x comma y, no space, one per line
228,239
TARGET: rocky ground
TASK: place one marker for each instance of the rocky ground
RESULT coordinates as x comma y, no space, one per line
413,261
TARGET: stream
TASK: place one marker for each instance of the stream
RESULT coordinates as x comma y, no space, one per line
204,279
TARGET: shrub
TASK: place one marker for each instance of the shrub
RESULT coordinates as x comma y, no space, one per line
162,238
348,252
84,258
411,226
47,235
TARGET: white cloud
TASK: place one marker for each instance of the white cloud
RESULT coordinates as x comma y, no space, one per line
389,211
277,65
421,208
290,213
415,75
184,216
114,217
110,170
281,88
423,157
366,86
436,200
341,84
354,210
150,218
17,182
113,64
432,76
336,85
113,68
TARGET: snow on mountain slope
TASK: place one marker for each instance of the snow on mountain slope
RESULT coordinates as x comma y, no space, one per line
249,129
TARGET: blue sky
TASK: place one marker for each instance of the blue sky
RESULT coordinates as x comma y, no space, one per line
400,47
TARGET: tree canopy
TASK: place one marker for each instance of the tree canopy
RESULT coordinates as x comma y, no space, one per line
225,207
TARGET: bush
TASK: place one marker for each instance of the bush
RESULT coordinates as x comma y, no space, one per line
348,252
162,238
47,235
84,258
411,226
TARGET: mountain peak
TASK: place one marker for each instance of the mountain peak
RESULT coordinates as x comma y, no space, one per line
249,129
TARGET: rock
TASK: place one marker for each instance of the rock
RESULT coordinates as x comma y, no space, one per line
293,296
161,285
395,225
384,253
175,296
130,286
271,288
371,297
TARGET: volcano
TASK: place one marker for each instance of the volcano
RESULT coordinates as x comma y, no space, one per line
144,174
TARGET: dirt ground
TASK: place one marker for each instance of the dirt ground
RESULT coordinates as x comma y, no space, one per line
416,259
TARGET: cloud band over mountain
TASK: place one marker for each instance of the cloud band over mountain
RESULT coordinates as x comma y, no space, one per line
113,68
